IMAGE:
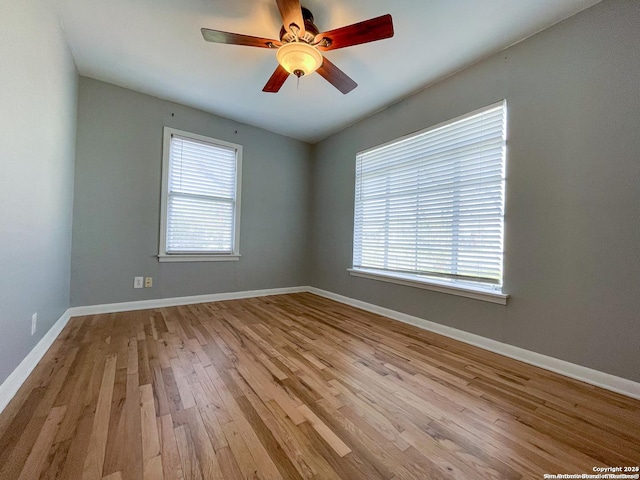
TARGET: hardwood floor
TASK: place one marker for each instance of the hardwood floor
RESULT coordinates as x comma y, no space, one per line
298,386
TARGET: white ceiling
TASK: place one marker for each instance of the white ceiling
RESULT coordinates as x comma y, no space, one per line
155,47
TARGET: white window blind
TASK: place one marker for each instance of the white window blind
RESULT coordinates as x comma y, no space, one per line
431,204
200,197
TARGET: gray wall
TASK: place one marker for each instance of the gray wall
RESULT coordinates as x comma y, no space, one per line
37,121
117,202
572,259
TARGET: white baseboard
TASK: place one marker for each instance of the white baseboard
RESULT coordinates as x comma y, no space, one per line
571,370
172,302
13,382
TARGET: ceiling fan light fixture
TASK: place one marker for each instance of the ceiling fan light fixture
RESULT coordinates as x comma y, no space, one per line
299,58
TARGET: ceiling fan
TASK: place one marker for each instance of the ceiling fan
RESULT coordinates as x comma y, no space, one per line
300,44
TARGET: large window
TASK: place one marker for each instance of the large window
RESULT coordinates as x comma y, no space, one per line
429,207
200,198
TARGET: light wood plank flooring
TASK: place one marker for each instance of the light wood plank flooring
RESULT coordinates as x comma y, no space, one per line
298,386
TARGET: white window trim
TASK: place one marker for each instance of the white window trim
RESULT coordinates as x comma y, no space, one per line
470,291
479,291
197,258
163,256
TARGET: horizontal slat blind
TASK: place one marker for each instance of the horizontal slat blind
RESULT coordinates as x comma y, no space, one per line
433,204
201,197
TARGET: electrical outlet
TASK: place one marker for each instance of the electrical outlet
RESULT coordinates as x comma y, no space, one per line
138,282
148,282
34,323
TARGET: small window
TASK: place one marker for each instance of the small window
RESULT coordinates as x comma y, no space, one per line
200,198
430,207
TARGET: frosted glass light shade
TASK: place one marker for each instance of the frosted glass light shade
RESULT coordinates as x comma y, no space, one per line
299,58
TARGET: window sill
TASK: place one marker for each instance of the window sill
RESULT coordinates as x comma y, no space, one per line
442,287
198,258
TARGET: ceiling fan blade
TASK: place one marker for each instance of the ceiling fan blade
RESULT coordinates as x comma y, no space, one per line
218,36
291,12
276,81
336,77
364,32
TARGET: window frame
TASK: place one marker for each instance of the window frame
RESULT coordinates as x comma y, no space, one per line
466,288
163,256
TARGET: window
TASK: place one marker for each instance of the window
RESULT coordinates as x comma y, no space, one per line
429,207
200,198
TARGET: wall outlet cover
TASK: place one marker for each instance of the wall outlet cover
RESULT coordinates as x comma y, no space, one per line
138,282
148,282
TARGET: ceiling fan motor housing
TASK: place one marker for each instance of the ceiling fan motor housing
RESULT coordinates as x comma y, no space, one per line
310,30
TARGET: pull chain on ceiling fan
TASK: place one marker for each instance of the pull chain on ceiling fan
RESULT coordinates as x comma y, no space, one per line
301,44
